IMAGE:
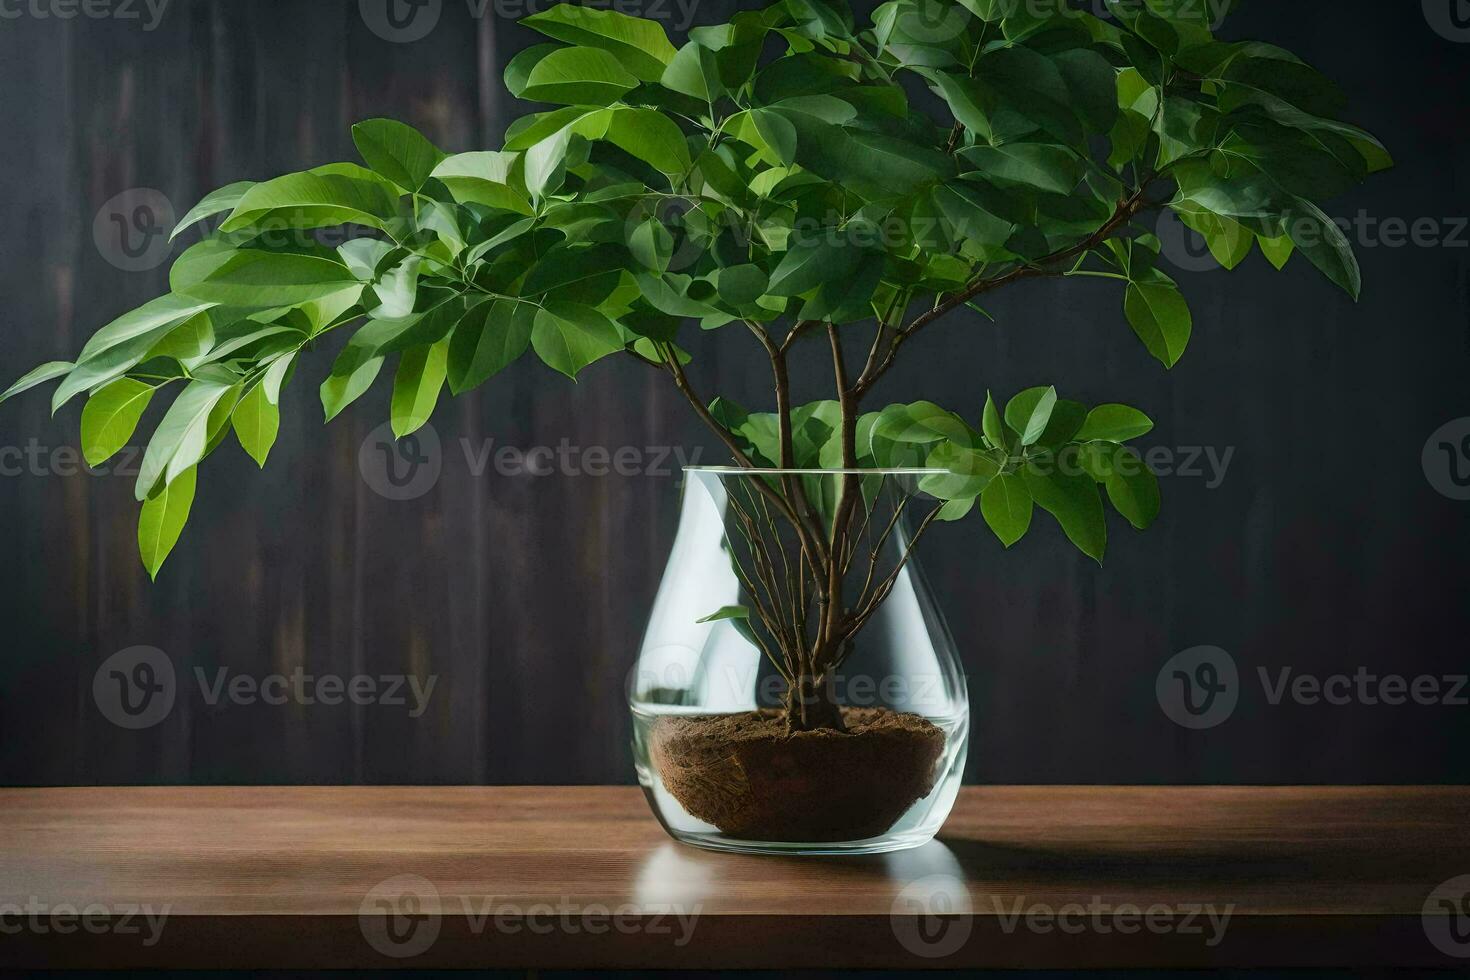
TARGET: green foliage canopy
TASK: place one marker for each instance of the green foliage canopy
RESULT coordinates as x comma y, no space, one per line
787,171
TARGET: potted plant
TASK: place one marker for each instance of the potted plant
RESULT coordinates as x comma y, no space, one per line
834,191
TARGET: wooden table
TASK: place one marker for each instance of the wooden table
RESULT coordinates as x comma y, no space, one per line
583,877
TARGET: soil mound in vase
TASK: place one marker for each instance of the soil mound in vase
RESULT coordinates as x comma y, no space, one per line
751,778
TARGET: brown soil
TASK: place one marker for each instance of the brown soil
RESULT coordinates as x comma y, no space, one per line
746,775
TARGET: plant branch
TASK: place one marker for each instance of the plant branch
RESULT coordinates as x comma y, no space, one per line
1045,266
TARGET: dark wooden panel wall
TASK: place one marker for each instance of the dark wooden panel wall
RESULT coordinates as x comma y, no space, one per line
1323,547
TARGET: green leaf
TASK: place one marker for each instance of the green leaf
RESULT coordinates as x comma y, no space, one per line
726,612
578,76
398,289
1161,318
257,421
993,427
849,298
162,520
398,152
416,387
217,202
812,262
650,136
314,200
1229,241
964,99
354,370
486,341
1092,83
570,336
652,245
693,71
49,371
1062,489
640,45
1320,239
1114,423
1006,506
740,285
921,422
123,343
485,177
252,278
275,376
970,471
1133,488
1030,411
182,435
1277,250
1050,168
153,319
111,416
546,163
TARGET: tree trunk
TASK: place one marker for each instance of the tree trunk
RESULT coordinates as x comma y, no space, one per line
809,706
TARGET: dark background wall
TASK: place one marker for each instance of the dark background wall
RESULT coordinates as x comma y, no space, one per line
1323,548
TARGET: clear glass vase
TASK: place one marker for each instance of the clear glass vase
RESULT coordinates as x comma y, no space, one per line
764,722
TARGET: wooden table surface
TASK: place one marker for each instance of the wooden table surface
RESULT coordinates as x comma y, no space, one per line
1050,877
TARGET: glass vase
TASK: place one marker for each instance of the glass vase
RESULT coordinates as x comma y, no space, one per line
769,717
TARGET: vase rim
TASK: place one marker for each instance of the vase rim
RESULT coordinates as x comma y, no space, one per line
810,471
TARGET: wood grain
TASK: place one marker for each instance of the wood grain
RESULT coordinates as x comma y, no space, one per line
277,877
